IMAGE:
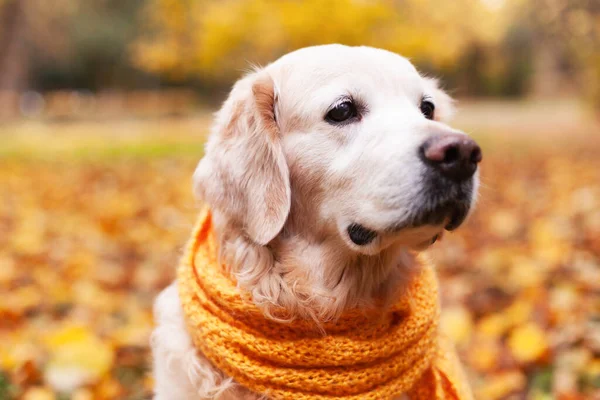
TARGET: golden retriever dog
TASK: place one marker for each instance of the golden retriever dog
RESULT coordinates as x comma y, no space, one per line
324,172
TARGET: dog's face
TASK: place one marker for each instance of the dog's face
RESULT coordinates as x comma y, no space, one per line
353,132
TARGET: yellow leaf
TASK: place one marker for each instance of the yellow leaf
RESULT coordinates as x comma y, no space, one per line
501,385
77,357
82,394
505,223
593,367
39,393
526,272
528,343
457,323
518,312
108,389
483,355
493,325
20,300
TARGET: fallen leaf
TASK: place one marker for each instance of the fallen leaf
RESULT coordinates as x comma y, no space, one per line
528,343
77,357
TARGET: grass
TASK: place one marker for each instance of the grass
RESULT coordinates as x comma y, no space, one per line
35,140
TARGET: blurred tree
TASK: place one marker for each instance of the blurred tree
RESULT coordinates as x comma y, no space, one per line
31,30
216,40
567,36
13,56
504,69
517,51
64,43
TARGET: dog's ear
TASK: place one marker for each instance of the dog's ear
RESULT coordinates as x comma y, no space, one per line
244,174
444,104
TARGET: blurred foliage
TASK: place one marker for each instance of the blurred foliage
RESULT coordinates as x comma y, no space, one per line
84,253
480,47
572,30
216,39
491,47
91,228
68,43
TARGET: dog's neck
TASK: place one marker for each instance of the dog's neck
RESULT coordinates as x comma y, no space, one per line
311,274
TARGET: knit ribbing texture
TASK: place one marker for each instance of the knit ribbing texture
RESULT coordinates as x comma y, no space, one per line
360,356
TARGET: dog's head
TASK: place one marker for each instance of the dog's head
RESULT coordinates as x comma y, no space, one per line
343,141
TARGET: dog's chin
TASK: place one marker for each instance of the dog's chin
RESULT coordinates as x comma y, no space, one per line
421,230
367,241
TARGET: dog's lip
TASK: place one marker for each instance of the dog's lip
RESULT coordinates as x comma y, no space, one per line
450,217
363,237
457,217
430,242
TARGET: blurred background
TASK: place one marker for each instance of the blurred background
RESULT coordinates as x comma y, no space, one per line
104,107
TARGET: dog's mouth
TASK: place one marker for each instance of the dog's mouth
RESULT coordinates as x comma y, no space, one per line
449,216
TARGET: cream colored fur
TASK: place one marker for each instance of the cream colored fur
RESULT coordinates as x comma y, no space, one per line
284,184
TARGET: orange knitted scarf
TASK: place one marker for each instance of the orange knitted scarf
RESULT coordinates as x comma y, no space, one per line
360,357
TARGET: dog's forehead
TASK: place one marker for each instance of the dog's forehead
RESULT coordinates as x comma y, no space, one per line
337,67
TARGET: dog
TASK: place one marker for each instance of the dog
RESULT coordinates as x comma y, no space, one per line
324,172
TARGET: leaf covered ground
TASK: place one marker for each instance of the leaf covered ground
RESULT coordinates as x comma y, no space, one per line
91,227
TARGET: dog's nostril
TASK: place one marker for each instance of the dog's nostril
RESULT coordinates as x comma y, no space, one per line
451,154
476,155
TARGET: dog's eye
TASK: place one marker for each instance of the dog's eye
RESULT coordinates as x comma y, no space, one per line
428,109
341,112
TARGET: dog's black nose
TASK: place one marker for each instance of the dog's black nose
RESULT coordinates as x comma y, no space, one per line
454,155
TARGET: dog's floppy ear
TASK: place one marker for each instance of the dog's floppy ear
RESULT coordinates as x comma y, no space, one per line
244,174
444,104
